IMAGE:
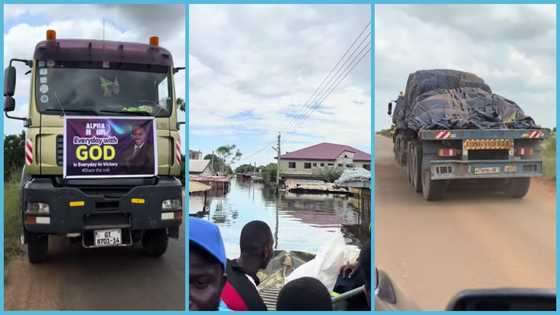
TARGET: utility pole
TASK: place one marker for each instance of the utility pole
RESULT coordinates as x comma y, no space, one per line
278,151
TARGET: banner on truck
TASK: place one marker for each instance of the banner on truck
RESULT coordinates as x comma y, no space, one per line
98,147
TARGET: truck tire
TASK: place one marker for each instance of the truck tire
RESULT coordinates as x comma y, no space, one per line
154,242
415,166
432,190
518,187
37,247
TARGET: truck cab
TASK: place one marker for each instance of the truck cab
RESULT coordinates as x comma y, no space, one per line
101,81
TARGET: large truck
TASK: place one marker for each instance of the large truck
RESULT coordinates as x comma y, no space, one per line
102,145
449,126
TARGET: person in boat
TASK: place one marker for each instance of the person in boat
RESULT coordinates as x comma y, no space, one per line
364,260
207,265
354,275
304,294
240,291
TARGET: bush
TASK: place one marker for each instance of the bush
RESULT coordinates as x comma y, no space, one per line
330,174
549,157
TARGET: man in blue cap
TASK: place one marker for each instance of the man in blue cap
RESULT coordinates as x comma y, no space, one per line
207,265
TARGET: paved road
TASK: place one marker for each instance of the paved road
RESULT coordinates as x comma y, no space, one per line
471,239
98,279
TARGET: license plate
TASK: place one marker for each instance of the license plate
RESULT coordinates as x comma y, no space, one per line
106,238
486,170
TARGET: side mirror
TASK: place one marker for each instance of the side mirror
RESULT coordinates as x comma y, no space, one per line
390,108
9,81
9,104
177,69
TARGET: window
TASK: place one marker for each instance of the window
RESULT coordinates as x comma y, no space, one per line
349,165
291,164
331,164
306,165
322,164
314,164
366,166
339,164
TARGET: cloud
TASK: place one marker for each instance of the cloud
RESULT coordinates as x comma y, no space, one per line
512,47
267,60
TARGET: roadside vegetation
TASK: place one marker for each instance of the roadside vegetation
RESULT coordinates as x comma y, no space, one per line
549,156
13,164
386,132
12,218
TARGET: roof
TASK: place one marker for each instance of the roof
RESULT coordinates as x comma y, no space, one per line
98,50
198,166
209,179
325,151
195,187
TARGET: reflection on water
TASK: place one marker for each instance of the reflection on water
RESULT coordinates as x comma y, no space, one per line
303,222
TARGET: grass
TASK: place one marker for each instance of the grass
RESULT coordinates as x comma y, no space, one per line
12,219
549,157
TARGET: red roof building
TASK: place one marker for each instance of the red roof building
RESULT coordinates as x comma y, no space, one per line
310,162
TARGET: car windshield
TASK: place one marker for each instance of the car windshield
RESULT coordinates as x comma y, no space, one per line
70,90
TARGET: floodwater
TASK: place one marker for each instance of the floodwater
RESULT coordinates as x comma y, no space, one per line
298,221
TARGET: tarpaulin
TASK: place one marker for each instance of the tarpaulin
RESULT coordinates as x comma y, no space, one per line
449,99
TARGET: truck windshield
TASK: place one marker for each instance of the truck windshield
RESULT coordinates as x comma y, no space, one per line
85,91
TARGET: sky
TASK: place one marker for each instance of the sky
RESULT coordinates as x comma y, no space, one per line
511,47
254,67
26,25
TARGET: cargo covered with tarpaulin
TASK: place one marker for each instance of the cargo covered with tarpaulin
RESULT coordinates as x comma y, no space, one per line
449,99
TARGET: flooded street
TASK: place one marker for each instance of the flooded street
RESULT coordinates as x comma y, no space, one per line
298,221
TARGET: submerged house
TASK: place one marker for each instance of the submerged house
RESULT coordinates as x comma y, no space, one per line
309,162
201,167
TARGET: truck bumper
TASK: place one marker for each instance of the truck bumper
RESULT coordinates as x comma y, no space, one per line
77,211
459,169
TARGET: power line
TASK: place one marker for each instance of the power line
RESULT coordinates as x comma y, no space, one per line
328,79
332,81
363,52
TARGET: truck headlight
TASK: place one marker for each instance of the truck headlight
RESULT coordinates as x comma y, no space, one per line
37,208
171,204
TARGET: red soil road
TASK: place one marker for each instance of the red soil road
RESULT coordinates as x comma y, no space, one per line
75,278
471,239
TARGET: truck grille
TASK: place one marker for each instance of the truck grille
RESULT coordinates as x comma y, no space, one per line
59,149
489,155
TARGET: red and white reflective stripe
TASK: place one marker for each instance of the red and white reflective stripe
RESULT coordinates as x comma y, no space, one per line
444,134
535,134
448,152
178,151
28,152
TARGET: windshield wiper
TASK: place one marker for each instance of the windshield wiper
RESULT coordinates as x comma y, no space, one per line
75,110
139,113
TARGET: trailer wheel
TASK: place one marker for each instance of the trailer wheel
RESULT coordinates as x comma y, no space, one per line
37,247
432,190
154,242
518,187
415,168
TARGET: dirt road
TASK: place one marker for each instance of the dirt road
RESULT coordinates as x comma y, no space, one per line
98,279
471,239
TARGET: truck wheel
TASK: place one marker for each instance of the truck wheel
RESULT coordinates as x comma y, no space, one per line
37,247
518,187
432,190
416,167
154,242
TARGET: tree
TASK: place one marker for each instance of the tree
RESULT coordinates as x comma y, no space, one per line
218,164
330,174
229,154
245,168
14,155
269,173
